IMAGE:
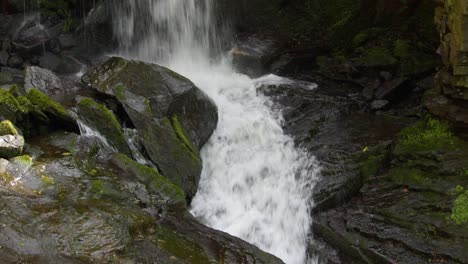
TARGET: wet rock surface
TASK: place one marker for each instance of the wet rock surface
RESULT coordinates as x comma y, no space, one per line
174,117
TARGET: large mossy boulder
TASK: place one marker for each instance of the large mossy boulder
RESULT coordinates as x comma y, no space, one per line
174,117
98,117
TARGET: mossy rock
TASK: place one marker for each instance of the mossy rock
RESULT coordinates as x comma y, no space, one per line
413,61
426,135
105,122
7,128
156,182
178,245
48,106
460,209
9,107
378,56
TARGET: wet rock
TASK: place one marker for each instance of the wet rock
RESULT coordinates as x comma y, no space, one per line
15,61
101,119
31,36
46,81
11,75
98,29
4,58
101,214
67,41
369,90
173,116
379,104
386,76
252,55
49,61
389,88
11,146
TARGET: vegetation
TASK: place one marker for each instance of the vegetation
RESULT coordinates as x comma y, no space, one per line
427,134
460,209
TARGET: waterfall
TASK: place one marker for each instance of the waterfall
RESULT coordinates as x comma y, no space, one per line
255,184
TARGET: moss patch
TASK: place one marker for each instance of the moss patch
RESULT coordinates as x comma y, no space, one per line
46,104
9,106
180,246
7,128
152,178
103,120
460,209
428,134
371,166
182,135
378,56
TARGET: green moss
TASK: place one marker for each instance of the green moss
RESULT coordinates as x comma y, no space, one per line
371,166
119,92
152,178
105,190
7,128
9,106
46,105
428,134
180,246
182,135
103,120
378,56
460,209
47,180
410,176
24,160
457,190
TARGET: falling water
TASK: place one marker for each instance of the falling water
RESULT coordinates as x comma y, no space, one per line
255,183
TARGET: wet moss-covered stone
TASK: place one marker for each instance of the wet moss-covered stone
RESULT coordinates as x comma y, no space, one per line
378,56
460,209
7,128
426,135
105,122
9,107
46,105
156,182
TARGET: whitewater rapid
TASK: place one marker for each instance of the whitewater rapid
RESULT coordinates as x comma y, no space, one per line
255,184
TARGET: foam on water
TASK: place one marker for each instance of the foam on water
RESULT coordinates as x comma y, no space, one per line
255,184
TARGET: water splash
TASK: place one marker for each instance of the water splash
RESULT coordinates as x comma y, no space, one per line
255,184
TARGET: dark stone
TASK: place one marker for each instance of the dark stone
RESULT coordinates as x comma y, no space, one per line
49,61
47,82
253,55
67,41
173,116
379,104
11,146
31,37
3,58
369,90
389,88
15,61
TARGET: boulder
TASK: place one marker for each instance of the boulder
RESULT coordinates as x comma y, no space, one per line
46,81
253,55
11,146
31,36
67,41
173,117
98,117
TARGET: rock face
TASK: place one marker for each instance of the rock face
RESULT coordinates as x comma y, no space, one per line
115,212
173,116
449,99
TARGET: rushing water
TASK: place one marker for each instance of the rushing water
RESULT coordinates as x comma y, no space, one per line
255,183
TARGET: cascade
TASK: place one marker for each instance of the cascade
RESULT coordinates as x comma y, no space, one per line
255,184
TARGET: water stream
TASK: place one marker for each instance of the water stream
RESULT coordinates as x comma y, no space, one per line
255,184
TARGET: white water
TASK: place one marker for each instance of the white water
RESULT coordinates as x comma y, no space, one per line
255,183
